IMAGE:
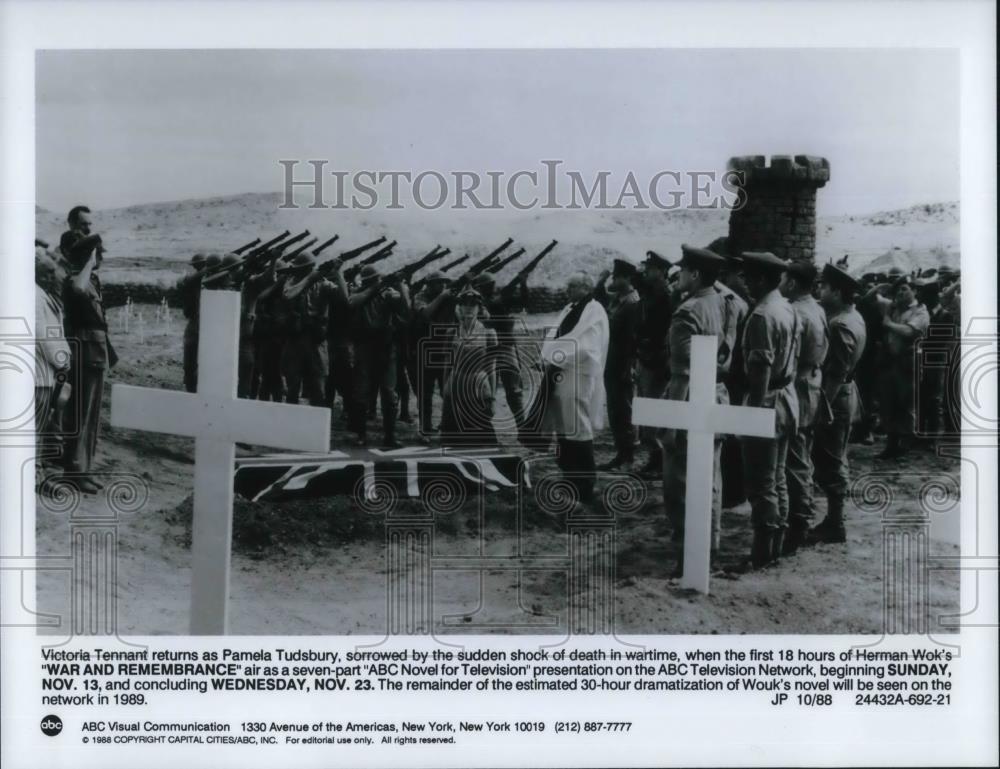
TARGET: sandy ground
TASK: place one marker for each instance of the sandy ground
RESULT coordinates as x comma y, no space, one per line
322,571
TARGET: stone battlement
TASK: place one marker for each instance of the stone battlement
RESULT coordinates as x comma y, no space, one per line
804,170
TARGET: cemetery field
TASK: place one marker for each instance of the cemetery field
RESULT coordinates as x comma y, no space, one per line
318,567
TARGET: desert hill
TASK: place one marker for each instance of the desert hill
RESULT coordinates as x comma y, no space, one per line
150,242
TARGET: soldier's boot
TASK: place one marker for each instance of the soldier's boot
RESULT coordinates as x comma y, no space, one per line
891,450
653,468
777,544
760,549
795,537
831,528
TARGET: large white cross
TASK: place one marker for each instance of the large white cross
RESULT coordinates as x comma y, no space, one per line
217,420
703,419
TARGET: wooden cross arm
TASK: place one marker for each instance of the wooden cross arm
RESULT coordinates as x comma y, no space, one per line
283,426
704,417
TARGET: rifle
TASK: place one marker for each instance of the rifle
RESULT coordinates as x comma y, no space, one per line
494,269
279,250
243,248
407,272
455,263
264,247
529,267
346,256
299,250
487,260
323,246
383,253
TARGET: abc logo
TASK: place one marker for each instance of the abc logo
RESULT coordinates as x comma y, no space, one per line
51,725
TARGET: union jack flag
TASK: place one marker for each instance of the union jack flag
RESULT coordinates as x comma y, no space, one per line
366,473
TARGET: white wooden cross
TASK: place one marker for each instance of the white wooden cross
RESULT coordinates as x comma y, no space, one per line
703,419
217,420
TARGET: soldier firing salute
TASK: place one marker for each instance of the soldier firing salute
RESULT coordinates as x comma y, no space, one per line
703,312
655,311
621,302
498,315
797,286
847,340
303,305
377,310
770,341
904,322
92,357
434,318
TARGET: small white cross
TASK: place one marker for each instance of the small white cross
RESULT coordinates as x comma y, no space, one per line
703,419
217,420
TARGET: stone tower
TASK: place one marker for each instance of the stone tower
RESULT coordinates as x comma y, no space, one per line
779,214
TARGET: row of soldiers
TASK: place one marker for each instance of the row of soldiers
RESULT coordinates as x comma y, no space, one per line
318,330
818,347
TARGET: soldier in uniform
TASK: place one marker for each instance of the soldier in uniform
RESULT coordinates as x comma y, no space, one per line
341,345
378,310
797,287
434,319
621,302
904,322
92,357
655,311
304,299
730,285
498,315
702,312
847,335
770,342
189,290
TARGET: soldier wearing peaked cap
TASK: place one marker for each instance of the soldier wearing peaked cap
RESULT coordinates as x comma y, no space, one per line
656,308
847,339
734,291
797,287
770,352
703,312
621,302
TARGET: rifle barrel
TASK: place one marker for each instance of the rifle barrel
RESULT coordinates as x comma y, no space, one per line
247,246
356,252
323,246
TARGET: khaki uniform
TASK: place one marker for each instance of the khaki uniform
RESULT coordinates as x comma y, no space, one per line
92,357
771,337
655,311
619,383
809,391
305,358
374,326
702,313
737,311
848,338
897,402
431,349
189,289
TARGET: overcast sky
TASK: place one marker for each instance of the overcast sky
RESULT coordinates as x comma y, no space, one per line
125,127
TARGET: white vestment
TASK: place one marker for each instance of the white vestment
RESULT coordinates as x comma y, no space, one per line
576,404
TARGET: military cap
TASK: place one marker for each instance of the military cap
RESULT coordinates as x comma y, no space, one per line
654,259
228,260
701,258
622,268
303,261
802,270
81,250
436,276
197,260
838,278
470,296
720,246
482,280
896,272
212,261
762,261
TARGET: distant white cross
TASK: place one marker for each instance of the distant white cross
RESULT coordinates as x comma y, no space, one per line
703,419
217,420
